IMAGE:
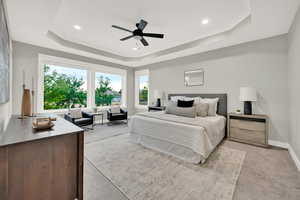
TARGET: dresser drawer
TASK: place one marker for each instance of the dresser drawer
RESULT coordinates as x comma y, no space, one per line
248,125
248,135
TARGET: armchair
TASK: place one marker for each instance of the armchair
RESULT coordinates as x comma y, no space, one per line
117,116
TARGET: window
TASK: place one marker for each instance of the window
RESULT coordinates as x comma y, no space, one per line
142,88
64,87
108,89
69,83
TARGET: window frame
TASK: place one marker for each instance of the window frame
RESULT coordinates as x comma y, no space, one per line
91,72
138,74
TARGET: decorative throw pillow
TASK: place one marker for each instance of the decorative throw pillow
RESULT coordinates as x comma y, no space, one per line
212,105
115,109
174,110
76,113
196,99
202,109
185,104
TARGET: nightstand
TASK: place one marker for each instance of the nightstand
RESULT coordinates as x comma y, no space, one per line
250,129
156,108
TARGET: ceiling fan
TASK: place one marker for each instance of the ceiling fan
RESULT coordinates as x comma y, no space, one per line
138,33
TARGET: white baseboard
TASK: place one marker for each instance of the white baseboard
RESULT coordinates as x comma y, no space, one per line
289,148
279,144
294,157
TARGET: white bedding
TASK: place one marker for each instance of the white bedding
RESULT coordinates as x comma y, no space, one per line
190,139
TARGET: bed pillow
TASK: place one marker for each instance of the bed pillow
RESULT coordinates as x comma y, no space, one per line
196,99
173,109
202,109
212,105
185,104
176,98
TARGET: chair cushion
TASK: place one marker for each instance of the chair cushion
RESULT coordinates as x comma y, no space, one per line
76,113
117,114
82,121
115,109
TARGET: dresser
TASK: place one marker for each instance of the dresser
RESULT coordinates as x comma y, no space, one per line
250,129
43,165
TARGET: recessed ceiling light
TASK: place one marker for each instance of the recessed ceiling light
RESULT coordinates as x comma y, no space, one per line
205,21
77,27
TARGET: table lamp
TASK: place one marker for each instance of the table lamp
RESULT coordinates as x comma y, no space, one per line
158,96
248,95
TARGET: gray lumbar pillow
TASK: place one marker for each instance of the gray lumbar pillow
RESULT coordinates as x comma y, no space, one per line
186,112
202,109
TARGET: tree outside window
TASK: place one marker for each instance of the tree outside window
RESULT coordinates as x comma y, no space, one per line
143,90
108,89
64,87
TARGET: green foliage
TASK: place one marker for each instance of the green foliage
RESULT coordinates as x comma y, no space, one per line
103,93
143,96
62,91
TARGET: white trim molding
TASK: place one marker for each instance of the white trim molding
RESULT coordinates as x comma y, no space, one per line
279,144
287,146
294,157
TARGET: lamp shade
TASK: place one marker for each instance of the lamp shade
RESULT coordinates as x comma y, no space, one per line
248,94
157,94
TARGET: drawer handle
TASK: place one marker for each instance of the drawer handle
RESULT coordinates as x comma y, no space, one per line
244,129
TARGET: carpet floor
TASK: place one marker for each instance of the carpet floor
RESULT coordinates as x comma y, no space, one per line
143,174
266,173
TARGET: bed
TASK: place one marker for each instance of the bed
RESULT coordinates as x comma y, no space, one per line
189,139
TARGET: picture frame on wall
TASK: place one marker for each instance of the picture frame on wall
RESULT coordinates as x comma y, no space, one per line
4,56
194,77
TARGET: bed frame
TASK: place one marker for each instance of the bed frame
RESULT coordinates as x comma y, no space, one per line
222,104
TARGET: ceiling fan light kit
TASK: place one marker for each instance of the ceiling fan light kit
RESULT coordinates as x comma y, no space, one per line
138,33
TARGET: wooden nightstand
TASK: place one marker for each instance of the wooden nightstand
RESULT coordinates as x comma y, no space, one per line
156,108
250,129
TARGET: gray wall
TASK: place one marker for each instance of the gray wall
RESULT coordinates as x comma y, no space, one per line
25,57
260,64
294,84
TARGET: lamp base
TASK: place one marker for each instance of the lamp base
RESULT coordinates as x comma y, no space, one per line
248,108
158,103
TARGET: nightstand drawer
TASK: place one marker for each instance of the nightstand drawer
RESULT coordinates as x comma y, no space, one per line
248,125
248,135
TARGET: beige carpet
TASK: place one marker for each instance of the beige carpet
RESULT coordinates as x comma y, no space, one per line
143,174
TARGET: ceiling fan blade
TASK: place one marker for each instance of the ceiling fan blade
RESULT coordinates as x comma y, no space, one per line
121,28
126,38
155,35
142,24
144,42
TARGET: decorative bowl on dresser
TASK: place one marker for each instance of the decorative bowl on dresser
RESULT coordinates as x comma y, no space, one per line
250,129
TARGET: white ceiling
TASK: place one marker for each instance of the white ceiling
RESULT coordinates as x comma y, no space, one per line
50,24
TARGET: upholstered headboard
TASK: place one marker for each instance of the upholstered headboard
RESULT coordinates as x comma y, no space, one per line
222,104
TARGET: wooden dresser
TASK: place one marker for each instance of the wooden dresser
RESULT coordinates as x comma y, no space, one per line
251,129
41,166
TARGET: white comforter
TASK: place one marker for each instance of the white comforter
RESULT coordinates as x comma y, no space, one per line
201,135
